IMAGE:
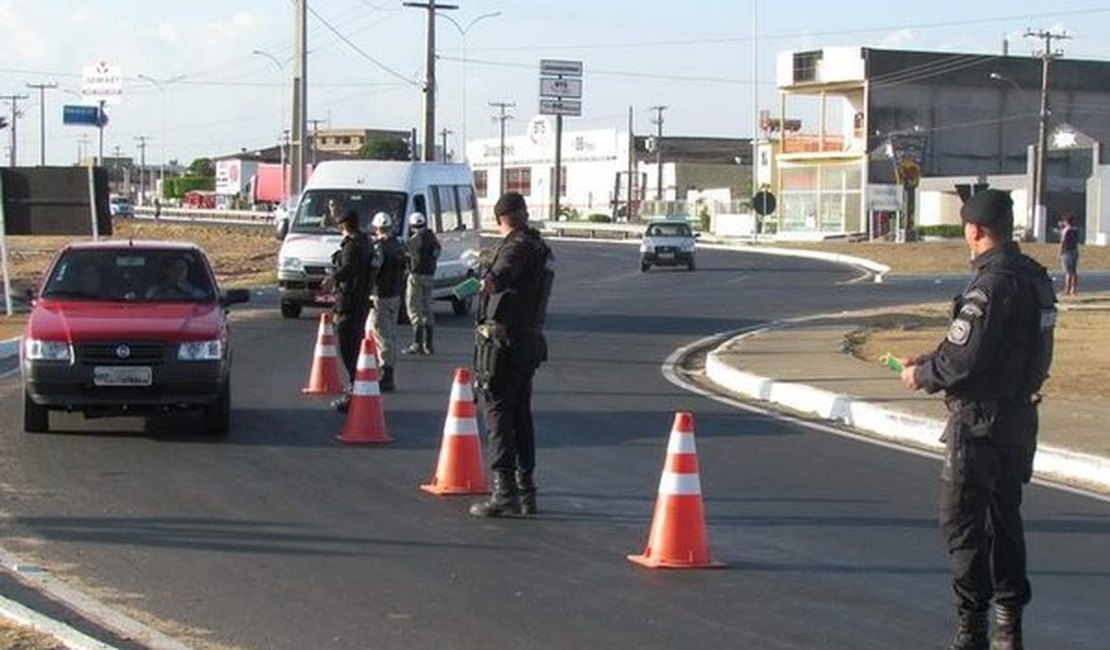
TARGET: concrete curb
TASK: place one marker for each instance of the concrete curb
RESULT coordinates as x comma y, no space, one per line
27,617
1051,463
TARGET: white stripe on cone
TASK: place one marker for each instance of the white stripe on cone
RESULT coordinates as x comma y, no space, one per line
460,427
325,351
365,389
462,393
366,362
672,484
681,443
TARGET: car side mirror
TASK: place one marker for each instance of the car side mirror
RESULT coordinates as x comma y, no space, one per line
233,296
697,235
281,228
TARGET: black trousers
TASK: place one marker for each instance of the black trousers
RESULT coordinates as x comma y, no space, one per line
349,330
980,508
508,413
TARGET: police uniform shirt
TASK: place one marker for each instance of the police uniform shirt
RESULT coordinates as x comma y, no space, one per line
352,271
423,250
516,275
391,276
985,354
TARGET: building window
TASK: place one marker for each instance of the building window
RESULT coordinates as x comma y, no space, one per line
519,179
346,139
481,182
805,66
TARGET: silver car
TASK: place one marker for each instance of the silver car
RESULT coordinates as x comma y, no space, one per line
668,243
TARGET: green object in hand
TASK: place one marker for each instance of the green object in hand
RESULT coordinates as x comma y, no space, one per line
893,363
466,288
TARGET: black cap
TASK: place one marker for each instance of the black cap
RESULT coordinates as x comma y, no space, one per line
349,217
987,207
509,202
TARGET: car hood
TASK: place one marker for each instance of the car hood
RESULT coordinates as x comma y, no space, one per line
78,322
311,249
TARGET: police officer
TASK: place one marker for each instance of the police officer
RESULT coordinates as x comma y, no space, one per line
509,347
387,295
990,366
351,278
423,253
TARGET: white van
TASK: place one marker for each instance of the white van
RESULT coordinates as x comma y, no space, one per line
444,192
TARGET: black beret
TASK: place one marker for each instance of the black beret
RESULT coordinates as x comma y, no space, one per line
349,217
987,207
509,202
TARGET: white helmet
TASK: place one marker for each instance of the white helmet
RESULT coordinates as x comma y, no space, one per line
382,220
417,220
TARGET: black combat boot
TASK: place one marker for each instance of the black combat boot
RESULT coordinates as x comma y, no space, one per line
526,487
386,384
428,349
417,345
972,632
502,503
1007,628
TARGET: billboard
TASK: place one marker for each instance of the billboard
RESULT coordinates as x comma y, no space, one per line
54,200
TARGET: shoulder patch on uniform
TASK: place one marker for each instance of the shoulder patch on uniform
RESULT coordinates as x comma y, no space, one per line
959,332
976,295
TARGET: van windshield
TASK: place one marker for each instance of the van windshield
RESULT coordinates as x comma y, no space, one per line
319,210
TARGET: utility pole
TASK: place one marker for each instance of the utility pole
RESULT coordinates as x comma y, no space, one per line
1040,169
42,88
631,168
312,138
443,134
141,139
300,98
430,76
82,144
502,115
658,122
15,121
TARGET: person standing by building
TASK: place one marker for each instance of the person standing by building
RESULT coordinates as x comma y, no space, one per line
423,254
990,366
351,280
1069,254
509,348
387,295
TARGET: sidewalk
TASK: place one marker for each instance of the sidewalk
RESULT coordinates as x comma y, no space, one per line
801,365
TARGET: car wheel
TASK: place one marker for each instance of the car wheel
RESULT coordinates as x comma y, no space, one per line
691,266
217,415
290,309
461,306
36,419
644,266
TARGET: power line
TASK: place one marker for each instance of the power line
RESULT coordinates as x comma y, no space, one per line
15,121
362,52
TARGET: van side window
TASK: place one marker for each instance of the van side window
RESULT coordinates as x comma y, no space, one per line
468,207
434,215
418,204
448,207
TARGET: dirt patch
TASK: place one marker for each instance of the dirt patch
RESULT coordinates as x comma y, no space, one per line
17,637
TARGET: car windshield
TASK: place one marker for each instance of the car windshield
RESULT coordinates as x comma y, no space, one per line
131,274
319,210
668,230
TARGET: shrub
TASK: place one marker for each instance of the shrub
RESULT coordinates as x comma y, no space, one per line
597,217
955,231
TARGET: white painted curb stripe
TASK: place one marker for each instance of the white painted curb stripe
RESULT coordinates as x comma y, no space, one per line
68,636
671,484
681,443
460,427
365,389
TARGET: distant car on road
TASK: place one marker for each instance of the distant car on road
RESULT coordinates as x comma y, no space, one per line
668,243
128,328
121,206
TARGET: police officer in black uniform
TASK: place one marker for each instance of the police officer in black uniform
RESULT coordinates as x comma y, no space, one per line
509,348
990,366
351,278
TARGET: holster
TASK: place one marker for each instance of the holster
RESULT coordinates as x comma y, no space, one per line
491,354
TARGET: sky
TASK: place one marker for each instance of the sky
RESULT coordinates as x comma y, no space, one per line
222,68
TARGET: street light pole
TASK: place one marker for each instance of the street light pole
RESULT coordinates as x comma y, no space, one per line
42,88
501,117
430,77
281,143
160,85
1040,215
462,32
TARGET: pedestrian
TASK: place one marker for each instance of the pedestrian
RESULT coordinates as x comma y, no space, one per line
157,208
509,348
1069,254
387,295
423,254
351,280
990,366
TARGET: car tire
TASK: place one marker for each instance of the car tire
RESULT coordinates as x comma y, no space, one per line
36,419
691,266
290,309
644,266
217,415
461,306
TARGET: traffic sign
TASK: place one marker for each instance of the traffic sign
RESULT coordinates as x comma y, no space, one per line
79,115
102,82
763,203
561,107
556,68
560,88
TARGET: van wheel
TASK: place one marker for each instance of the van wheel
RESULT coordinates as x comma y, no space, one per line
461,306
691,266
36,419
217,415
290,309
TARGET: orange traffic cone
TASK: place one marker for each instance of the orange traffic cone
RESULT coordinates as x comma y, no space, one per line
324,378
459,470
365,423
678,538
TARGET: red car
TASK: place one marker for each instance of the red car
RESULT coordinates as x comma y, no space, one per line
128,327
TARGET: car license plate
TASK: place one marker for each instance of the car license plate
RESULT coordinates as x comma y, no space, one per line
666,256
122,376
327,298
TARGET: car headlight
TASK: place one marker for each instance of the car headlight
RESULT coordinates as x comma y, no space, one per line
201,351
688,247
38,350
291,264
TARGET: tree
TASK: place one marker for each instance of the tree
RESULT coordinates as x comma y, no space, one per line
386,149
202,167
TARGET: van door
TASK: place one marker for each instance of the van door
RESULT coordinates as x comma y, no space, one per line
455,222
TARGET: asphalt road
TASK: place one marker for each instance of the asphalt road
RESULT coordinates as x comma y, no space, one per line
282,538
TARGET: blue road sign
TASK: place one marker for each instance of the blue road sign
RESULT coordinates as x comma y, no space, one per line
79,115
